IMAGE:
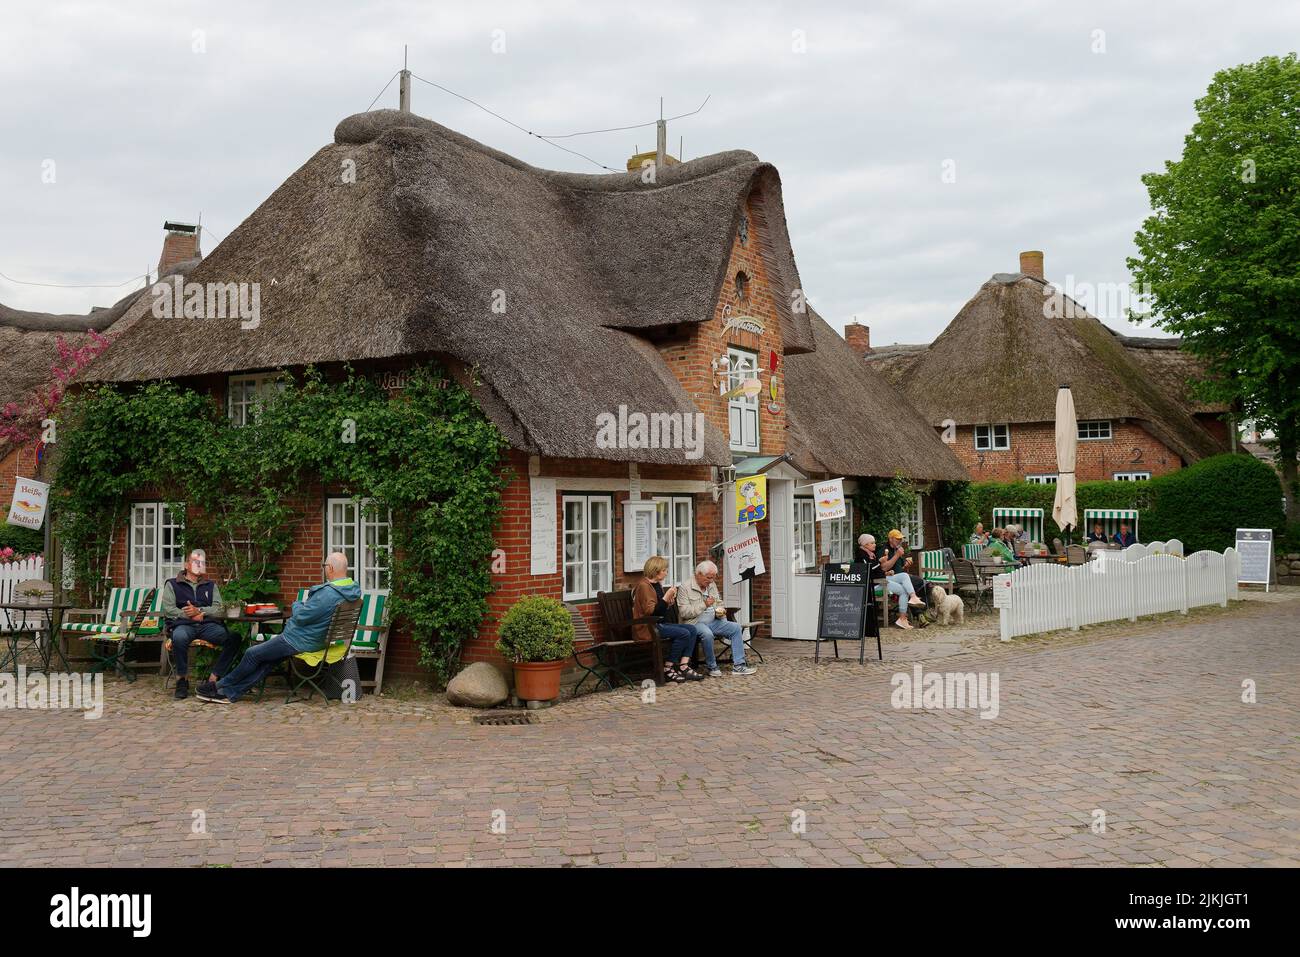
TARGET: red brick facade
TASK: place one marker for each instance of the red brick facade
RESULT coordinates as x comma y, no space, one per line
1033,452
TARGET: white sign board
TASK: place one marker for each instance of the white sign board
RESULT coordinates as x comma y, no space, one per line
1255,547
743,555
1002,591
828,499
638,534
542,553
28,508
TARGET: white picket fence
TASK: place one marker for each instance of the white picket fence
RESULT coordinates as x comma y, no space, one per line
1128,584
11,573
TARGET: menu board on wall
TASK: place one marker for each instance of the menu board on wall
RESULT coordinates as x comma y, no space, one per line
542,554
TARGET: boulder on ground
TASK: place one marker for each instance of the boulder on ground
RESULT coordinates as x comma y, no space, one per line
479,685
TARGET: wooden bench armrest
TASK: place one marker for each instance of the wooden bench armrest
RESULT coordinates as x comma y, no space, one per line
97,613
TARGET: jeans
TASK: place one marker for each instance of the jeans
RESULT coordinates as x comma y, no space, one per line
904,582
211,631
256,664
681,640
708,626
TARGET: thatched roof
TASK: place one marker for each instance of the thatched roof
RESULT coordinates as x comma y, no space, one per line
1172,368
29,340
845,419
411,258
1003,356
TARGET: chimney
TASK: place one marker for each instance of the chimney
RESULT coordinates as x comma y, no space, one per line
1031,263
858,337
180,243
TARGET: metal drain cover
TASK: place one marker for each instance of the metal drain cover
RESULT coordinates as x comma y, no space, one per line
505,717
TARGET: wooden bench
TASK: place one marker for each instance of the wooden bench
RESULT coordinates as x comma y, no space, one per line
620,640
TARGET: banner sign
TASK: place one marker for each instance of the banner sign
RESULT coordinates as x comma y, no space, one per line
751,499
828,498
1255,547
28,508
743,556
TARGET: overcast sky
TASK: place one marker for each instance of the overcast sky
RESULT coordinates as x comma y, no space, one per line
1048,113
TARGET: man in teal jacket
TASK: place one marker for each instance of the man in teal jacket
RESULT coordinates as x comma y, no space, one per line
305,631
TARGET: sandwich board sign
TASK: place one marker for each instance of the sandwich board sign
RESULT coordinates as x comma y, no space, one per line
1255,548
846,611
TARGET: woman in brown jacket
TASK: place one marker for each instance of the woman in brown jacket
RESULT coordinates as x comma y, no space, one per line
651,598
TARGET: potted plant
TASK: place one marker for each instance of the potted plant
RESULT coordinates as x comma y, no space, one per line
537,637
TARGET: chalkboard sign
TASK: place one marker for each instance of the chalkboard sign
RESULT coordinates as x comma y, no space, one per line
846,608
1255,546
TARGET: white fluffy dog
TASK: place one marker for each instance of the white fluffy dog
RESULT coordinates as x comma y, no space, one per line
948,606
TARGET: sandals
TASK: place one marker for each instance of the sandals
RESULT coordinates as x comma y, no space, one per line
671,675
689,673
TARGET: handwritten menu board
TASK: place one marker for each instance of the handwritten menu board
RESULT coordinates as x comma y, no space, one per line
543,546
845,607
1255,546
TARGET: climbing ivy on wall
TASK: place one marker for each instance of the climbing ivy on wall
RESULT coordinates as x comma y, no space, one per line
428,454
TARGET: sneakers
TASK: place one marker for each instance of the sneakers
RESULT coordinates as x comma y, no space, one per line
208,692
716,673
743,670
182,689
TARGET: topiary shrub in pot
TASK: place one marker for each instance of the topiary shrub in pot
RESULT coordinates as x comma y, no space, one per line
536,636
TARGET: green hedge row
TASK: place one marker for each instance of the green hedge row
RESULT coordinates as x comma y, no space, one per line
1202,506
24,541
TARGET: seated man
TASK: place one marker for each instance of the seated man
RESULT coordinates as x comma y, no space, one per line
192,606
896,549
899,583
1097,534
304,631
1124,538
700,605
979,536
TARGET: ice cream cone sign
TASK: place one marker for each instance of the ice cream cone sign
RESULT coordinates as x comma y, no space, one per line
751,499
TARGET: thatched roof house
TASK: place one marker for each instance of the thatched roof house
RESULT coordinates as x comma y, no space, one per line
1003,356
825,437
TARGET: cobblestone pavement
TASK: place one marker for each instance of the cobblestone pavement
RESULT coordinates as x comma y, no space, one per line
1143,722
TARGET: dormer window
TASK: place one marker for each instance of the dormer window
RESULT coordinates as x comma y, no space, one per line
742,286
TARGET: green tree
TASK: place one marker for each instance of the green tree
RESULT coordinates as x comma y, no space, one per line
1221,250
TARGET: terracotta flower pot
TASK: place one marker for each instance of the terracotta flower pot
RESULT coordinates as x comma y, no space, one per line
538,680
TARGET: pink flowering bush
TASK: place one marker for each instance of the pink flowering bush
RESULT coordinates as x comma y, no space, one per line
20,423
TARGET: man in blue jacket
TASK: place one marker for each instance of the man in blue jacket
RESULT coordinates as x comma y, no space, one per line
1124,538
305,631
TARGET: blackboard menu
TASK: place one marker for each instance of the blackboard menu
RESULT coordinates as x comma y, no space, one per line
844,603
1255,546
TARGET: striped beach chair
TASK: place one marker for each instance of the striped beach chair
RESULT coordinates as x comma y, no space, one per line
1110,519
371,638
934,569
1030,518
971,551
122,604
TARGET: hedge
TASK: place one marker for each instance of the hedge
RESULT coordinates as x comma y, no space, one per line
1202,505
24,541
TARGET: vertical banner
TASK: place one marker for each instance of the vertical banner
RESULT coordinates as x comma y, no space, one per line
542,494
828,499
28,508
743,556
751,499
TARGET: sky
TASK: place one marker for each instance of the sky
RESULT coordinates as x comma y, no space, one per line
921,145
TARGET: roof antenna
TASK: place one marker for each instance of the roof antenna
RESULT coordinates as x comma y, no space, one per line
404,86
661,138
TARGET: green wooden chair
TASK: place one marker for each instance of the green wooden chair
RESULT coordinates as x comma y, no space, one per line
308,667
934,568
109,648
110,622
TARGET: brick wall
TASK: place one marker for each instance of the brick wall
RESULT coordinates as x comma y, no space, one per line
1033,451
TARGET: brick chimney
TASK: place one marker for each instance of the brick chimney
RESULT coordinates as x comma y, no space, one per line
180,243
1031,263
858,337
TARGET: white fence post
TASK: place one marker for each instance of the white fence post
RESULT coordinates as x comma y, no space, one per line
1072,575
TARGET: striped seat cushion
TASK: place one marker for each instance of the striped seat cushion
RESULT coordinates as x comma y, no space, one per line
121,601
932,566
373,605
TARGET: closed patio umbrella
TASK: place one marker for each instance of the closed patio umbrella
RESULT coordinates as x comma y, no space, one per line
1064,508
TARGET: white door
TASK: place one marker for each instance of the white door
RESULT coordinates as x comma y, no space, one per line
735,596
780,564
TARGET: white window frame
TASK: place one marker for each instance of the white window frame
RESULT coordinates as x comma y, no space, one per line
1048,479
350,524
668,536
803,534
1131,476
154,550
914,528
991,443
742,412
241,410
588,584
838,536
1087,428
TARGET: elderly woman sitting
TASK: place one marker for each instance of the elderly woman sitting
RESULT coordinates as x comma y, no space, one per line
651,598
699,603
